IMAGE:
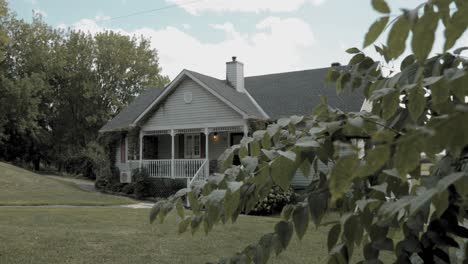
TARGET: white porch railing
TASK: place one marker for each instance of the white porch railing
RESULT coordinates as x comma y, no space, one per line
158,168
186,168
202,173
181,169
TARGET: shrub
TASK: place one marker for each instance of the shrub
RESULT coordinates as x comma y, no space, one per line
91,162
163,188
116,187
144,186
274,202
141,182
129,188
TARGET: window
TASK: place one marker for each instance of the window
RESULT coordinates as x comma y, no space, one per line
192,146
123,151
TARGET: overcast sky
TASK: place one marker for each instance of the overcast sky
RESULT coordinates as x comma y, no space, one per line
267,35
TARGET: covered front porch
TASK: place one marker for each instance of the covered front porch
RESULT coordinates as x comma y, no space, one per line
190,153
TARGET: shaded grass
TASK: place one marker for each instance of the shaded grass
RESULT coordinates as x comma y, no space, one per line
22,187
118,235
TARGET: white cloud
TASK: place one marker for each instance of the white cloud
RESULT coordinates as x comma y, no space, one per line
277,45
186,26
101,17
243,5
39,12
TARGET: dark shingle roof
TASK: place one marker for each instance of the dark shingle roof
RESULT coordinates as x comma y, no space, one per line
279,95
298,93
126,117
240,100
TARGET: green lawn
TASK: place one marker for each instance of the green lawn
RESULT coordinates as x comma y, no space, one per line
22,187
118,235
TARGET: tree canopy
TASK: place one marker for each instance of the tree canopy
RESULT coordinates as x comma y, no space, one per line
373,178
58,87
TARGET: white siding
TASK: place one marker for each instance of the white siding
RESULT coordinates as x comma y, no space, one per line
204,108
299,181
218,147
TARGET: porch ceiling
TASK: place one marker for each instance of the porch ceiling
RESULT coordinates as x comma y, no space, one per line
195,130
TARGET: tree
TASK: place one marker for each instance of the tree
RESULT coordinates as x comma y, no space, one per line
375,179
58,88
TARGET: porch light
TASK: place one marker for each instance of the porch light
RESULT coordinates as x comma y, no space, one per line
215,136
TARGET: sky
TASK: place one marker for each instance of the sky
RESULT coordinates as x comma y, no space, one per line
268,36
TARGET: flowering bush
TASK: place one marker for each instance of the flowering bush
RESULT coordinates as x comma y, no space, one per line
275,201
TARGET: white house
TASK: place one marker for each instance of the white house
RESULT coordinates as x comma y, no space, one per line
185,127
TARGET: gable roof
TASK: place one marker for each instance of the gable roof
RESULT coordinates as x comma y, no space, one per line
127,115
240,100
298,93
269,96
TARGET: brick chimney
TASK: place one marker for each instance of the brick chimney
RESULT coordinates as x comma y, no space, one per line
235,74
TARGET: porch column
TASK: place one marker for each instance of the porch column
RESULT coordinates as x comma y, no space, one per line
207,156
141,147
246,130
172,152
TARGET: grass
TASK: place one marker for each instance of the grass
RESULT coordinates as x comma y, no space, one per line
121,235
22,187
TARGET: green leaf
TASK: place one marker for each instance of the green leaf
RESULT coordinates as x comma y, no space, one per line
231,202
255,148
421,200
183,225
284,231
180,209
397,37
357,59
287,211
249,163
353,50
301,220
458,86
341,175
416,103
266,141
352,230
282,171
375,30
407,153
243,152
305,168
390,104
155,211
376,158
448,180
407,62
318,205
333,236
455,27
288,154
440,91
381,6
193,202
423,35
460,50
195,223
441,202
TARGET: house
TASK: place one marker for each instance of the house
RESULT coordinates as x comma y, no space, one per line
180,131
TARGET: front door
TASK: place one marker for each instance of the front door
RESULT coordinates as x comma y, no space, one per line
235,140
192,144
